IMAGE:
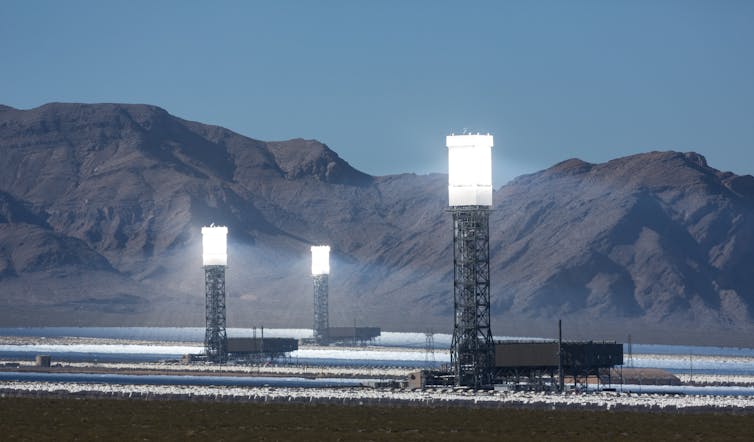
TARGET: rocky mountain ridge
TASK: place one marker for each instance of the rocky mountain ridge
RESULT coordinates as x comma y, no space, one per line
101,206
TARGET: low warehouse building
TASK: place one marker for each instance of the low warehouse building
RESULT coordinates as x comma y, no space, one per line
538,359
43,361
254,348
351,335
536,364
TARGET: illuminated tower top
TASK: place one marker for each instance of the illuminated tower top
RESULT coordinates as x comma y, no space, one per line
469,170
320,260
215,245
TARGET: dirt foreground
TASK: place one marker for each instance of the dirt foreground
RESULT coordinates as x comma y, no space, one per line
87,419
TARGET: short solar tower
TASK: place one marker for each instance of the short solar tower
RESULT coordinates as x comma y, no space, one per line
320,272
215,259
470,198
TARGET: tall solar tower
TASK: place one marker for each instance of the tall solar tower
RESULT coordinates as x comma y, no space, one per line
470,198
320,272
215,259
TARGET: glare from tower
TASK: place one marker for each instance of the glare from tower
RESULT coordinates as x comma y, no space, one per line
320,260
215,246
469,170
470,199
320,272
215,259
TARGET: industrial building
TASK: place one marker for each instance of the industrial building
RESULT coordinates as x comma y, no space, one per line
351,335
253,349
536,363
42,361
540,365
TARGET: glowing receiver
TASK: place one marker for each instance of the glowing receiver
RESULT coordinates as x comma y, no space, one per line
320,260
469,170
215,246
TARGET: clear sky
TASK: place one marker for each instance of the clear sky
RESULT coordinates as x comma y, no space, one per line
382,82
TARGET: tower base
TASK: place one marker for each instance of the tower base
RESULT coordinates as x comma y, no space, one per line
472,349
215,338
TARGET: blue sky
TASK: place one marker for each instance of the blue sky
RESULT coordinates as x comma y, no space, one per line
382,82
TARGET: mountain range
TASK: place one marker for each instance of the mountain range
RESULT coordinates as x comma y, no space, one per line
101,207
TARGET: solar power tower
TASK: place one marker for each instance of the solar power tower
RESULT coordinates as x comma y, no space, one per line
215,259
320,272
470,199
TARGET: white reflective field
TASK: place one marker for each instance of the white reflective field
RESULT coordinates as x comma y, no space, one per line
390,348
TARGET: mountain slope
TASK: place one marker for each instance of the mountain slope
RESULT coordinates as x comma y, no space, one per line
661,237
101,206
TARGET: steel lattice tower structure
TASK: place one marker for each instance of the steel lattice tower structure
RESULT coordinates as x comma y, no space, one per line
320,274
472,348
321,319
215,339
470,196
214,240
